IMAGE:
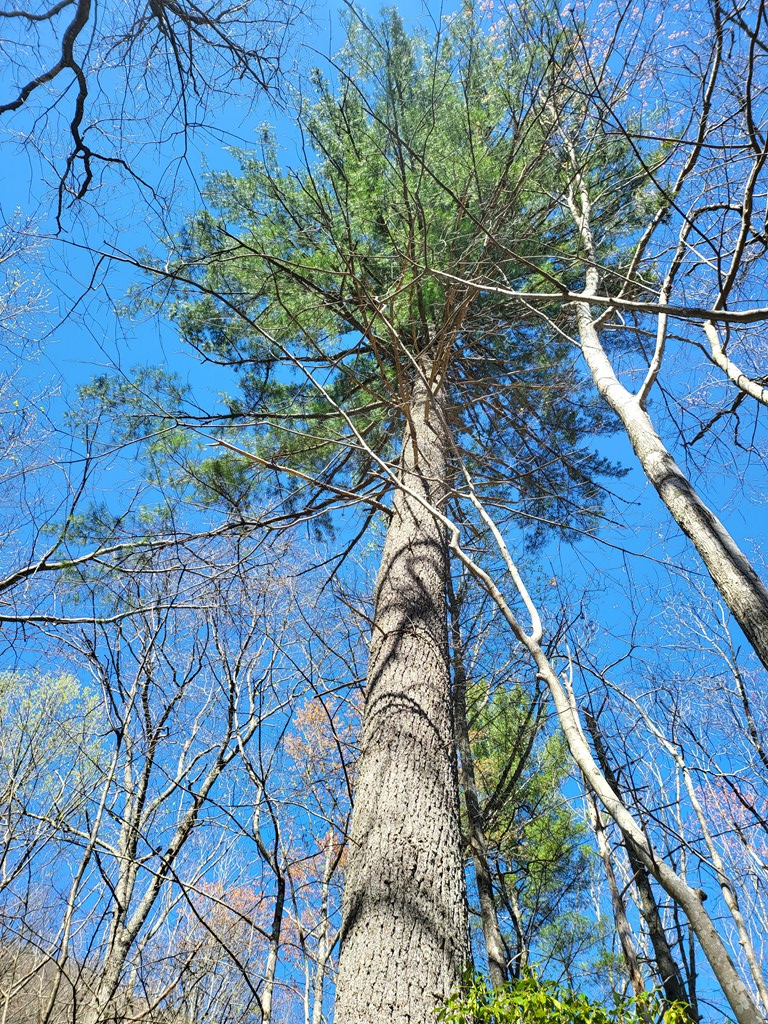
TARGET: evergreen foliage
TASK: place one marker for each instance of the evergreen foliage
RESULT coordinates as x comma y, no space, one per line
425,163
538,847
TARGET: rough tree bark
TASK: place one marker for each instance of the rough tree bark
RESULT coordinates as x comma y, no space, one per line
405,935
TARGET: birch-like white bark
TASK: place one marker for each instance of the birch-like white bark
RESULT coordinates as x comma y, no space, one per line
741,588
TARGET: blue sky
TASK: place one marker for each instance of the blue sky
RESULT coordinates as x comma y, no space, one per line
119,215
82,335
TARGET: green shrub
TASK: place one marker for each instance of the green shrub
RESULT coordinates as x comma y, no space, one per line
532,1000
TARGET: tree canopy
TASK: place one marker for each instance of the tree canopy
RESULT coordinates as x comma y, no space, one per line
324,285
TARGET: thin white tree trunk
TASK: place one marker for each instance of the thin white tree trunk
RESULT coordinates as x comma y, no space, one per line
325,941
741,588
727,887
736,992
669,972
623,929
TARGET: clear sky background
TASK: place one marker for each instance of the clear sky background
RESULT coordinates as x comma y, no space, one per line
81,333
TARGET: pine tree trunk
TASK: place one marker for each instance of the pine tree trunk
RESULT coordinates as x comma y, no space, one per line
405,937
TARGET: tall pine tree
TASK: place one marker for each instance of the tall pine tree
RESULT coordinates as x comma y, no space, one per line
369,368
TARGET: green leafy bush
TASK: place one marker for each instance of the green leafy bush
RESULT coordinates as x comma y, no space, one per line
532,1000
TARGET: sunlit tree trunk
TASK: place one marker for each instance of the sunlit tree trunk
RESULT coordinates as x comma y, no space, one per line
741,588
405,937
325,940
621,921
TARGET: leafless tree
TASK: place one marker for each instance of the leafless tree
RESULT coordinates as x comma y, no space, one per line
199,678
95,73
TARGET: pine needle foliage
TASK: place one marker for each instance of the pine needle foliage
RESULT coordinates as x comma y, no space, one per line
426,164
